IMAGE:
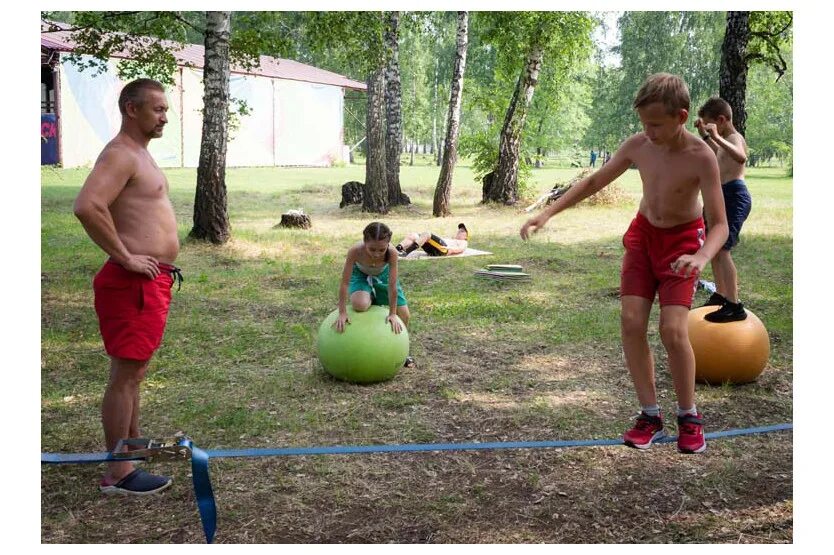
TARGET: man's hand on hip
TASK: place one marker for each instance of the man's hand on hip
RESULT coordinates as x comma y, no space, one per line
142,264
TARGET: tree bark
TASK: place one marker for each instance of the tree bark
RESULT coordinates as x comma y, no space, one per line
211,218
442,191
505,184
434,112
375,193
412,138
393,106
732,83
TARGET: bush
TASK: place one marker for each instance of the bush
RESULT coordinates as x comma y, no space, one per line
482,149
611,195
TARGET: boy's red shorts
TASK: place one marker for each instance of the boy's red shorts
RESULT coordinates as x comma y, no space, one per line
132,310
649,253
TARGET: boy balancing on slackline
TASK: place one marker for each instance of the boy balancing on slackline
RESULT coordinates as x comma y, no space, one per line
666,248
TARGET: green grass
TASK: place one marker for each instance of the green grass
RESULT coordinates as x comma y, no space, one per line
522,361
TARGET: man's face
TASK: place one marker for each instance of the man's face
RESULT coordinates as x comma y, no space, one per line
150,115
658,124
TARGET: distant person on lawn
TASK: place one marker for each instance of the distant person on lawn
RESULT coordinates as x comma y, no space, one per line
434,245
124,208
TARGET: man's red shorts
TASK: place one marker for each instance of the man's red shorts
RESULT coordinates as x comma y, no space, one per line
132,310
649,253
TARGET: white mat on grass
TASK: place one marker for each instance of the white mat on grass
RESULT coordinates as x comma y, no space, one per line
420,254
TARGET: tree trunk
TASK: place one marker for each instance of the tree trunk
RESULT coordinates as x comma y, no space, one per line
375,194
393,107
434,112
732,84
211,217
539,150
505,184
411,139
443,190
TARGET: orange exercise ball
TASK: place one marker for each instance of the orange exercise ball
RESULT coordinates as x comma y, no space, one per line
734,352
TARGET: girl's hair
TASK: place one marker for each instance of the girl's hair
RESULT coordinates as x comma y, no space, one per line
376,231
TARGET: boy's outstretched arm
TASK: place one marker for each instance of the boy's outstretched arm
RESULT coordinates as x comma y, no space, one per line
619,163
716,214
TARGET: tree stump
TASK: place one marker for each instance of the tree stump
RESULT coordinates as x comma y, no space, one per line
487,188
351,193
295,218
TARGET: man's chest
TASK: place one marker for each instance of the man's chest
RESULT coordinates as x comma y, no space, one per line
148,182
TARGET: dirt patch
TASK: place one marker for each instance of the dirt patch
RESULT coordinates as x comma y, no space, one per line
738,491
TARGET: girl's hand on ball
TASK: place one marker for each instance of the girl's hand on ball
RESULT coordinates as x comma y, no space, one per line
395,323
340,322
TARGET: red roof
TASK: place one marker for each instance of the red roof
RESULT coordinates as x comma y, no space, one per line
192,55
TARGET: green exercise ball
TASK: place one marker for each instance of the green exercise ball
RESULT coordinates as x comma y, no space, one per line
367,351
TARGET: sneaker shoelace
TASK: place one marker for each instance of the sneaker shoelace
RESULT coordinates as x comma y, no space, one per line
644,422
690,428
690,425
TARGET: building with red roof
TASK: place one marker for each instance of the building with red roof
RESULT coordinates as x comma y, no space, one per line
295,112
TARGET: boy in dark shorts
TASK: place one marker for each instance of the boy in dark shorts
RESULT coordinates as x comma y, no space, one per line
715,124
666,248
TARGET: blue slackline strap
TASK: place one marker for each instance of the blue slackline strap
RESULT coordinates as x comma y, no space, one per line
205,496
353,449
202,491
80,458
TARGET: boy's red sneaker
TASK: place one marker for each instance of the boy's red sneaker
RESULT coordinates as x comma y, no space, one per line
646,430
691,433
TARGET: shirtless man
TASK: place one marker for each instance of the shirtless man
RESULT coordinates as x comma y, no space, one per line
715,124
433,244
666,248
124,208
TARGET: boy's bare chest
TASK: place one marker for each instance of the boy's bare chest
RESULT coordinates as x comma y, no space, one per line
672,173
